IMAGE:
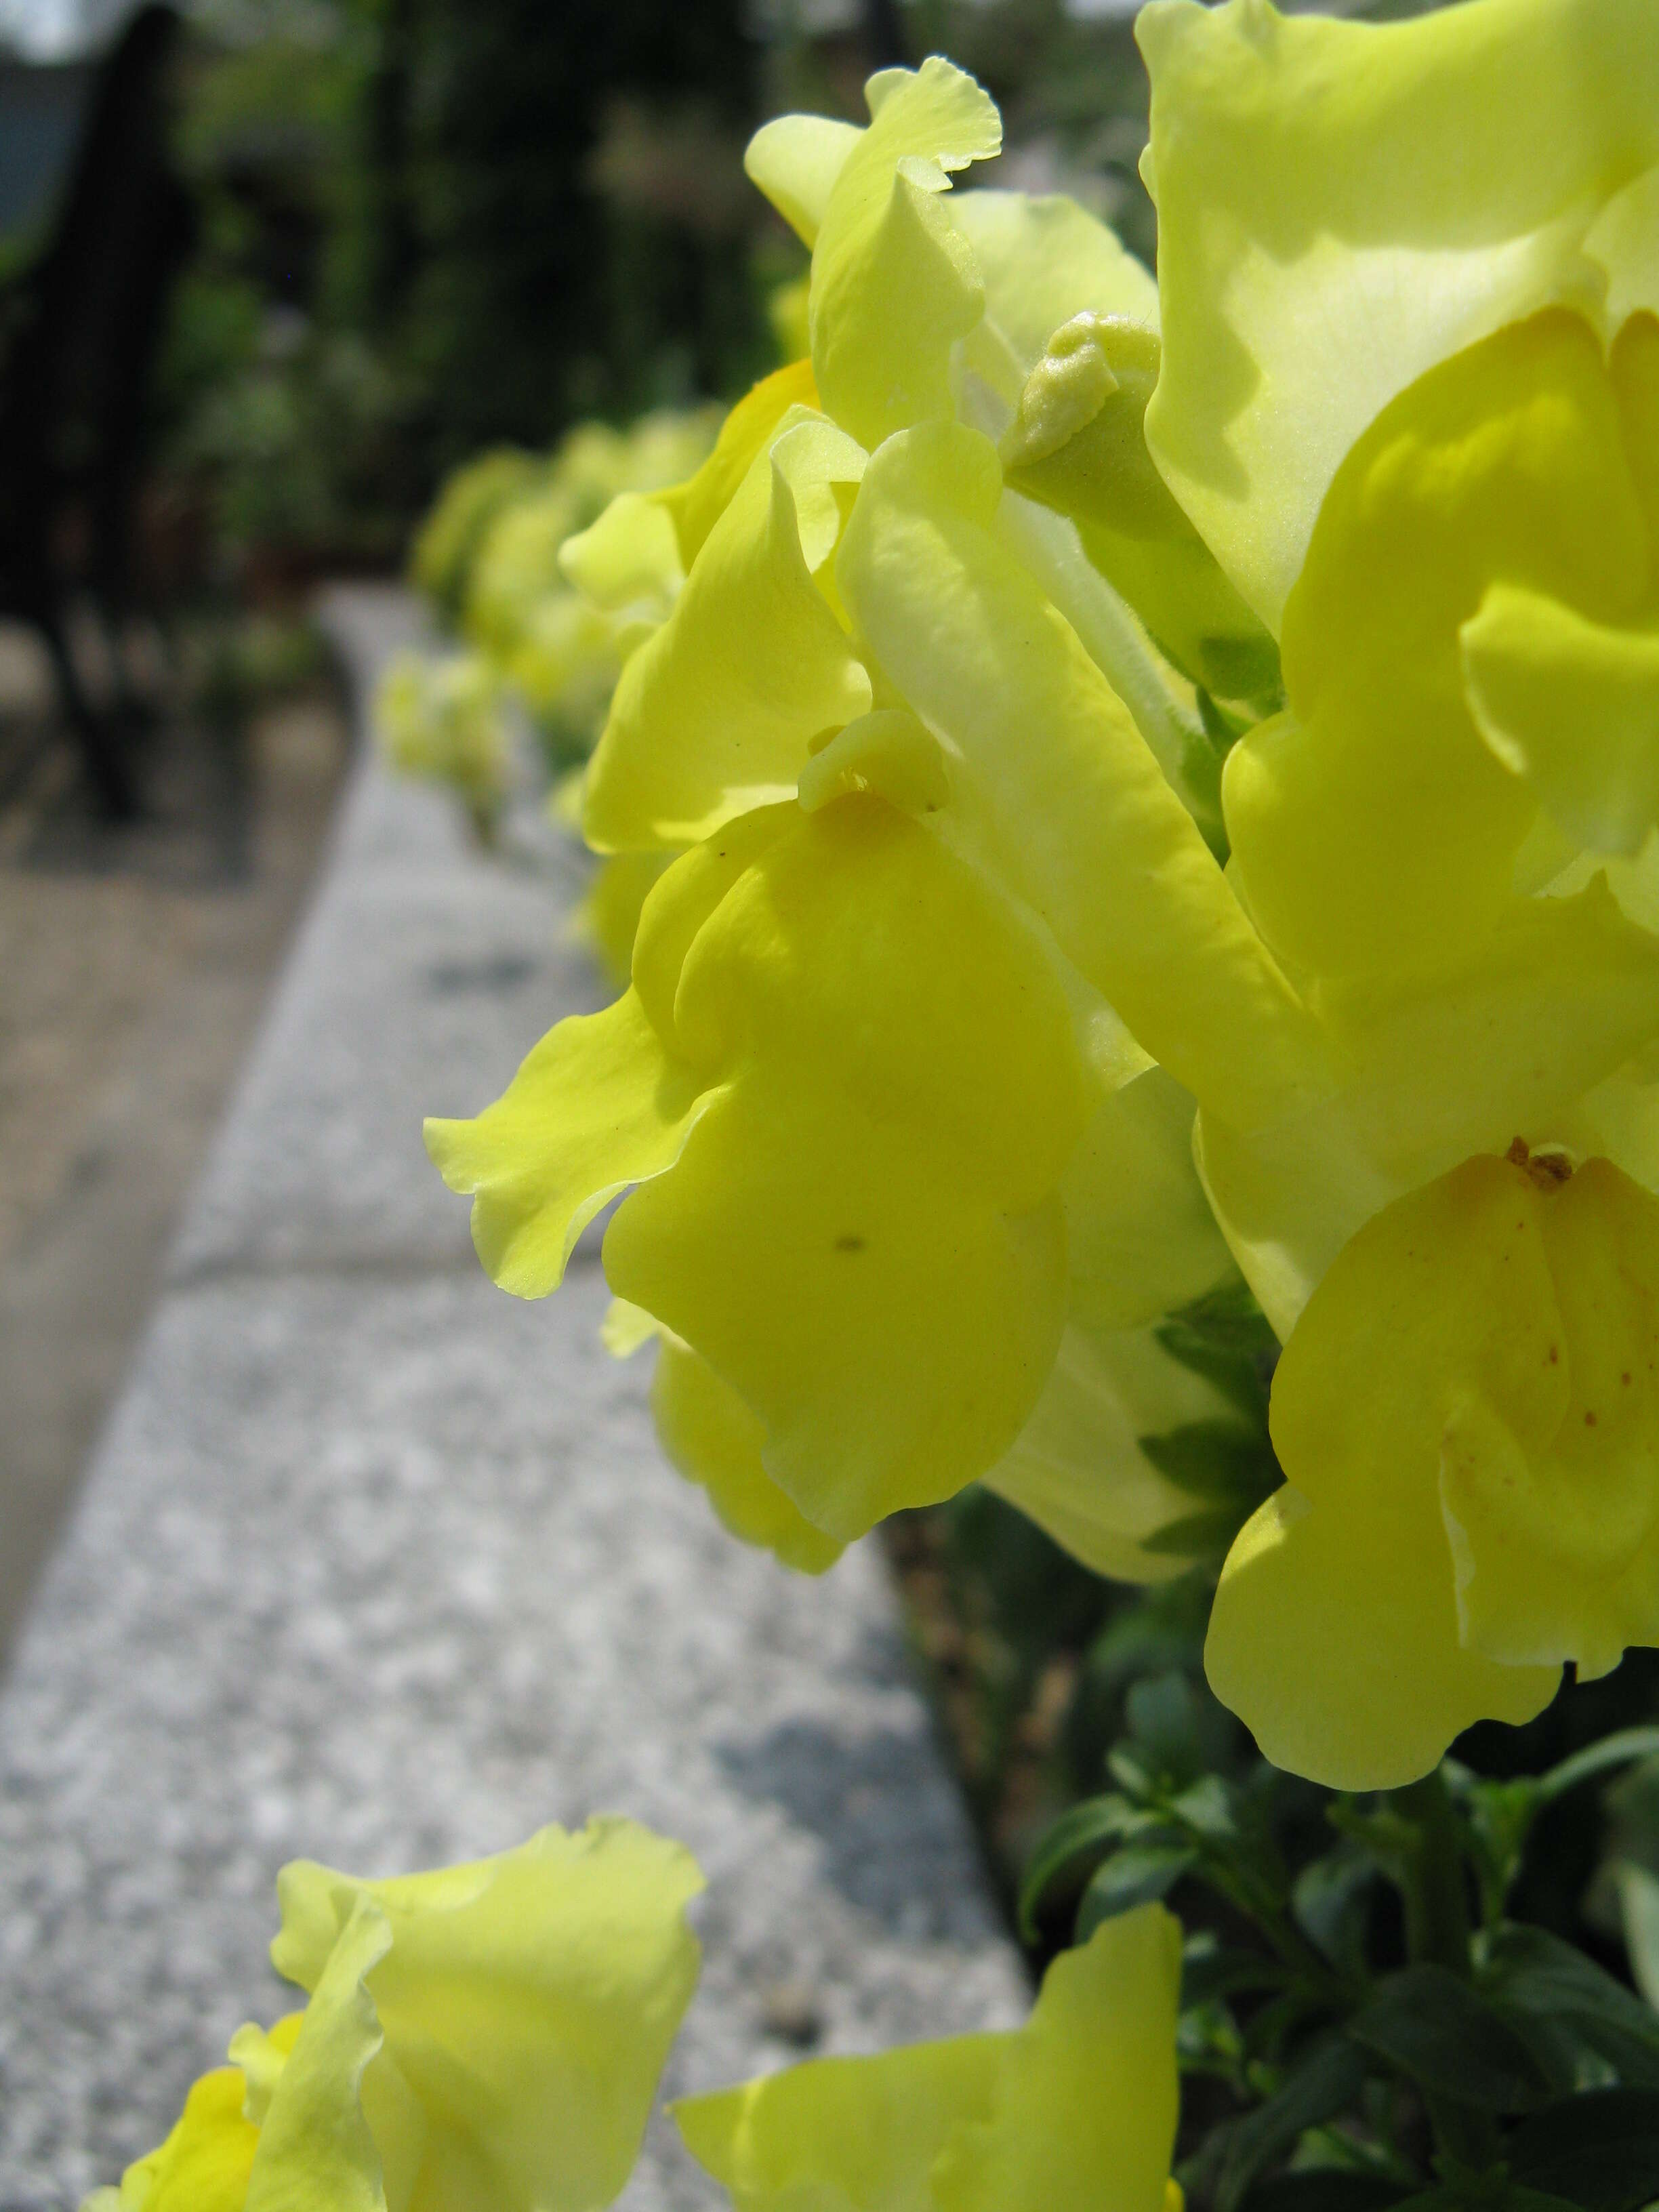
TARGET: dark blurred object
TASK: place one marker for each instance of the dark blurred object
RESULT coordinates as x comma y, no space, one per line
42,107
82,325
548,287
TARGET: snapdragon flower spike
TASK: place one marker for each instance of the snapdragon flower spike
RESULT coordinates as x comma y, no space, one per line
1445,509
488,2035
857,633
1073,2112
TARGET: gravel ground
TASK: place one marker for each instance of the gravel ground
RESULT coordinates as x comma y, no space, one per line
134,964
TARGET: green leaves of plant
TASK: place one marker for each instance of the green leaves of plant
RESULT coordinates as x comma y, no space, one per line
1444,2037
1600,2149
1326,2083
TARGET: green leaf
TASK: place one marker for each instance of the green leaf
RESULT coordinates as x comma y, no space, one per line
1536,1977
1209,1970
1618,1750
1599,2148
1208,1808
1162,1713
1330,1902
1198,1535
1325,2082
1083,1831
1225,1337
1436,2031
1216,1460
1327,2189
1140,1875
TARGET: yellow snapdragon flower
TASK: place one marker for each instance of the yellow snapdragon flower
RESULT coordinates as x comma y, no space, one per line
446,545
442,719
910,1194
487,2035
1410,394
1073,2112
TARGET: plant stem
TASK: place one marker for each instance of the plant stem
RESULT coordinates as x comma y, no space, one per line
1436,1898
1438,1932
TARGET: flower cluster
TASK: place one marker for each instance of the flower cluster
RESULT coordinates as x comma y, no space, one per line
1163,782
489,2039
494,558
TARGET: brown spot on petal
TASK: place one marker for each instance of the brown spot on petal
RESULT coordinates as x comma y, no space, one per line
1548,1170
850,1243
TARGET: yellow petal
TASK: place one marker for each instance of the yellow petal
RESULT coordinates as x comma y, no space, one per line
1077,1467
1341,205
1072,812
713,1438
1507,1036
596,1106
1573,708
713,714
795,161
528,2002
204,2165
894,282
1371,826
1551,1493
316,2150
696,506
1086,2099
845,2135
1337,1633
629,558
863,1239
1140,1237
1044,259
608,919
1074,2112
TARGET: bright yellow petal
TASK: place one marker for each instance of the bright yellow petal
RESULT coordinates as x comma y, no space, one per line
630,557
1053,782
843,2135
1336,1634
1342,205
1504,1040
1045,259
316,2150
1552,1491
698,504
204,2165
1086,2100
596,1106
528,2003
608,919
795,161
713,714
1140,1237
713,1438
864,1238
1572,707
894,282
1371,826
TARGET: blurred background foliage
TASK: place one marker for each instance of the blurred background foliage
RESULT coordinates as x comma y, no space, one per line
427,227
